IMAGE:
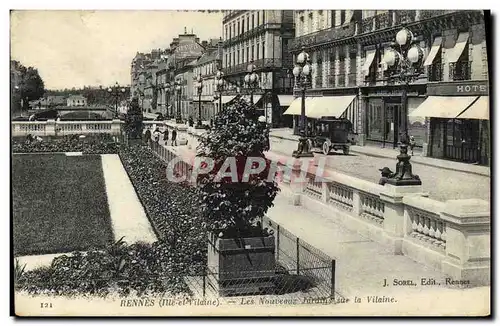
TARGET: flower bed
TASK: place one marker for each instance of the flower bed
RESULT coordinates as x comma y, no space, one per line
142,268
90,144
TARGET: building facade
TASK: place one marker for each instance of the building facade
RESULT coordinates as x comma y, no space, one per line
261,37
347,49
206,68
76,100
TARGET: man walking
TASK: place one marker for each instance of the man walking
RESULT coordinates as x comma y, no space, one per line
174,137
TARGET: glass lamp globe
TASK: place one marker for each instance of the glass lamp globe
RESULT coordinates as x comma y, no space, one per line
220,82
247,79
390,57
109,90
306,70
302,57
253,78
296,71
415,54
250,68
262,119
403,37
123,90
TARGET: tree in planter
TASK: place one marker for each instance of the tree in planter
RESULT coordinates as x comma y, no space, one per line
232,209
133,120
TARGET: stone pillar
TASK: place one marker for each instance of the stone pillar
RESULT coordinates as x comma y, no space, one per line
115,127
347,63
394,222
337,66
50,128
325,64
359,65
362,108
292,175
467,242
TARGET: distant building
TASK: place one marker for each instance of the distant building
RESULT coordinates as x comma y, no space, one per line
76,100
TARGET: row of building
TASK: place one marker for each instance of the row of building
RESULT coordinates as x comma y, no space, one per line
447,105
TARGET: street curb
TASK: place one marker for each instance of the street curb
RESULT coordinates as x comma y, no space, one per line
413,157
416,160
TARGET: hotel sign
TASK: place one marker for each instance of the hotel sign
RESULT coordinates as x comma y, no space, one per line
465,88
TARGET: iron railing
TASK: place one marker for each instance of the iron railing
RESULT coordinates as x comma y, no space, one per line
460,70
435,72
323,36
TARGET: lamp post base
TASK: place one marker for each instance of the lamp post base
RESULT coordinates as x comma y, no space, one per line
303,149
199,125
404,175
178,119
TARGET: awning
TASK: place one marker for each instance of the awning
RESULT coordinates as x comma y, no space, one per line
370,55
443,106
225,99
295,107
329,106
256,98
285,100
478,110
434,51
452,55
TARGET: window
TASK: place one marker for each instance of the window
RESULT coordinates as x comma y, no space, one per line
375,119
238,58
263,16
342,17
238,32
248,53
225,32
253,53
263,50
242,26
258,51
248,22
321,20
253,21
319,70
333,17
310,24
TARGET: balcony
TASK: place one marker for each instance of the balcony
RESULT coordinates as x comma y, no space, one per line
435,72
426,14
258,30
460,70
320,37
380,21
259,64
405,16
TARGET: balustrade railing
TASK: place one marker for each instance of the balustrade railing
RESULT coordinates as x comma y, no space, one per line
383,20
428,228
323,36
372,208
61,128
340,195
314,187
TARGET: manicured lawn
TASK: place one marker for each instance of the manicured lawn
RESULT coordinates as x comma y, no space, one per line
59,204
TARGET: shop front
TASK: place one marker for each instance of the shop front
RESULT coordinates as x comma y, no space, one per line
458,113
386,116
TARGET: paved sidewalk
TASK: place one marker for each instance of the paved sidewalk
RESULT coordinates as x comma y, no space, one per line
362,265
391,153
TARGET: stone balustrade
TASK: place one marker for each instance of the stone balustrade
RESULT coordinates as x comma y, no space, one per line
62,128
451,236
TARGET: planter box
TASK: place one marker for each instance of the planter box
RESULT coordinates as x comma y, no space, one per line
241,266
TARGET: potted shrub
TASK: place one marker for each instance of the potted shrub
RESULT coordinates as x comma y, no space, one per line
240,253
133,121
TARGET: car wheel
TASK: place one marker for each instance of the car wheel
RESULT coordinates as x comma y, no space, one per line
326,148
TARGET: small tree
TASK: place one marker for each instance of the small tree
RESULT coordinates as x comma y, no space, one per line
235,208
133,120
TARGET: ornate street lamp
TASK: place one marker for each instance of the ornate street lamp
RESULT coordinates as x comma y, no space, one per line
403,59
199,87
178,89
219,82
302,73
251,80
116,91
170,113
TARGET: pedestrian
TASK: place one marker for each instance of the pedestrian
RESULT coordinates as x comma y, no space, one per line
174,137
156,135
412,144
165,137
386,174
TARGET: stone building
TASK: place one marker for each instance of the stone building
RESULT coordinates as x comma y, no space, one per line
206,67
261,36
76,100
347,48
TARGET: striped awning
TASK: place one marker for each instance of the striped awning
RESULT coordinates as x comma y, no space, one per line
479,110
443,106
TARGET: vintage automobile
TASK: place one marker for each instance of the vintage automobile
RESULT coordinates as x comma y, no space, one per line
331,133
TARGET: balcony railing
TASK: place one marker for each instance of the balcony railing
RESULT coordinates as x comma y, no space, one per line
259,64
435,72
383,21
257,31
426,14
323,36
405,16
460,70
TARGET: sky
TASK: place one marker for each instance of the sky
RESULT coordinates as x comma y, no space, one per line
78,48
